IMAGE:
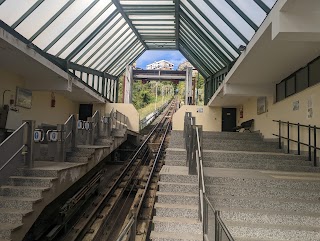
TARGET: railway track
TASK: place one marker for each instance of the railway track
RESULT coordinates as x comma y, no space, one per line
102,209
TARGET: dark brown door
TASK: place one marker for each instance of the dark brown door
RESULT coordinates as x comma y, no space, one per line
85,111
229,119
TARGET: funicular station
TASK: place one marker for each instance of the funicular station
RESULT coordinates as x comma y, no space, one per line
75,163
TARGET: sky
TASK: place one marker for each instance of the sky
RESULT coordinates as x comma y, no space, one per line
151,56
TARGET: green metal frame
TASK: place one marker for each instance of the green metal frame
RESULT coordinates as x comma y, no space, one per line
143,26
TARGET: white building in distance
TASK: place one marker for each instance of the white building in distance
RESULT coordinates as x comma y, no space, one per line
162,64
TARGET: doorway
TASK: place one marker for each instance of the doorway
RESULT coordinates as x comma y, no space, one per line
85,111
229,119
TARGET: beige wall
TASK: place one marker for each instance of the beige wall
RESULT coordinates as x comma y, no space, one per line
283,111
127,109
210,118
41,102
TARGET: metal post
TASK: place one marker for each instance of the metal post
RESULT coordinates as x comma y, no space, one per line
90,138
280,146
193,148
299,150
288,140
315,146
309,146
60,155
74,133
205,216
28,139
97,121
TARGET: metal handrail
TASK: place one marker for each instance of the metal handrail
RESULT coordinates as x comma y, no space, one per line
20,127
298,141
204,201
13,156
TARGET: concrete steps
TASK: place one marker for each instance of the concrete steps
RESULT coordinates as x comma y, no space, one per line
176,209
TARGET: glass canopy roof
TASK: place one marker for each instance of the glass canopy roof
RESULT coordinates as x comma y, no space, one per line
106,35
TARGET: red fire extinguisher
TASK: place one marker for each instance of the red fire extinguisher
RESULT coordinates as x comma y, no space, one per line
241,112
53,100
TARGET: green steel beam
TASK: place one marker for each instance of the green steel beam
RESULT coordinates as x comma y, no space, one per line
89,38
27,13
201,50
205,59
203,36
106,68
192,23
217,53
97,41
53,42
177,19
92,35
212,25
184,45
263,6
116,43
125,59
224,19
130,59
54,17
124,15
192,61
105,43
242,14
138,56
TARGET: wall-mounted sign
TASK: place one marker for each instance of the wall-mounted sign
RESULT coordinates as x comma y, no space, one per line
261,105
24,98
199,110
295,105
310,108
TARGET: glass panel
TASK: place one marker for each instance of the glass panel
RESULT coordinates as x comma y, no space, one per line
252,10
39,17
281,91
10,12
103,44
162,22
155,27
147,2
60,23
269,3
213,54
229,13
87,19
211,30
120,67
152,17
314,71
114,50
290,86
302,79
218,22
120,56
211,225
99,40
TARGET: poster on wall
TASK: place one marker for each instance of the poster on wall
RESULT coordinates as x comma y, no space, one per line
261,105
24,98
295,105
310,108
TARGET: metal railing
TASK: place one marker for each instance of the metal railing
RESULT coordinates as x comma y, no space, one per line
152,116
119,120
312,134
70,127
213,227
16,150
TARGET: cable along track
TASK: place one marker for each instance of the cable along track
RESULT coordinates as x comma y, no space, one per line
130,193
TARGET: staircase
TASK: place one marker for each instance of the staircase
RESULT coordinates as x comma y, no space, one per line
29,191
263,194
176,209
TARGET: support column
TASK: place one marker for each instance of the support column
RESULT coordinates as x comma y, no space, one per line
188,85
127,87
